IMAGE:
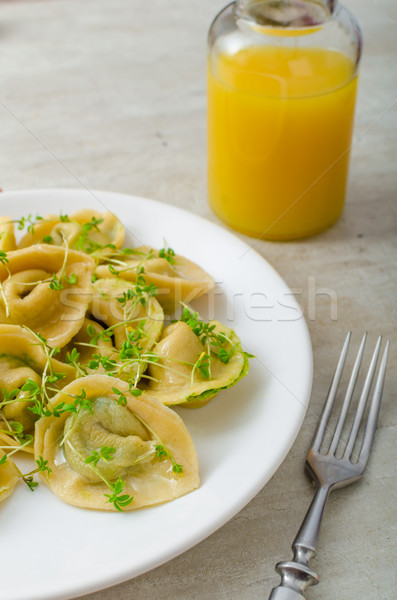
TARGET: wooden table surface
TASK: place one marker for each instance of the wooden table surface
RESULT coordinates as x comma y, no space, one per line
111,95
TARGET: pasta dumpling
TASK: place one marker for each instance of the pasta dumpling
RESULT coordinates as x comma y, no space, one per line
133,317
138,447
86,230
8,476
189,372
176,278
7,236
89,342
46,288
23,359
122,306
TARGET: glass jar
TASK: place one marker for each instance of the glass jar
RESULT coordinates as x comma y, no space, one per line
282,81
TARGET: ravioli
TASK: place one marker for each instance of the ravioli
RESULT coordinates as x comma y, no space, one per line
8,476
7,236
22,359
89,342
176,378
148,446
46,288
177,279
134,318
86,230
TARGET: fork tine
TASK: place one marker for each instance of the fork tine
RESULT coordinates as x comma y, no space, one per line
318,437
348,396
363,400
374,409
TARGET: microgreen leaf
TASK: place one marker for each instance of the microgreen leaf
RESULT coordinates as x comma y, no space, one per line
105,453
42,465
161,453
72,357
118,499
168,254
122,399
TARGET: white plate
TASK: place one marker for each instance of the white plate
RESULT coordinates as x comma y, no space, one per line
50,550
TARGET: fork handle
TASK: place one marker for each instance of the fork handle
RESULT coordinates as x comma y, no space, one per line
296,575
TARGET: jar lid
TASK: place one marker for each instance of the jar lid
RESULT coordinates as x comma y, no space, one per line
291,14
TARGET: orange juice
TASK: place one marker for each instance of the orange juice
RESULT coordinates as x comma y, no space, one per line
280,123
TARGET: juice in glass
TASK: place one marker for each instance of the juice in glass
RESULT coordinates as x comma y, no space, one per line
280,121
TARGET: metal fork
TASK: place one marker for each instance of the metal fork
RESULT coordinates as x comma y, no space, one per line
330,472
